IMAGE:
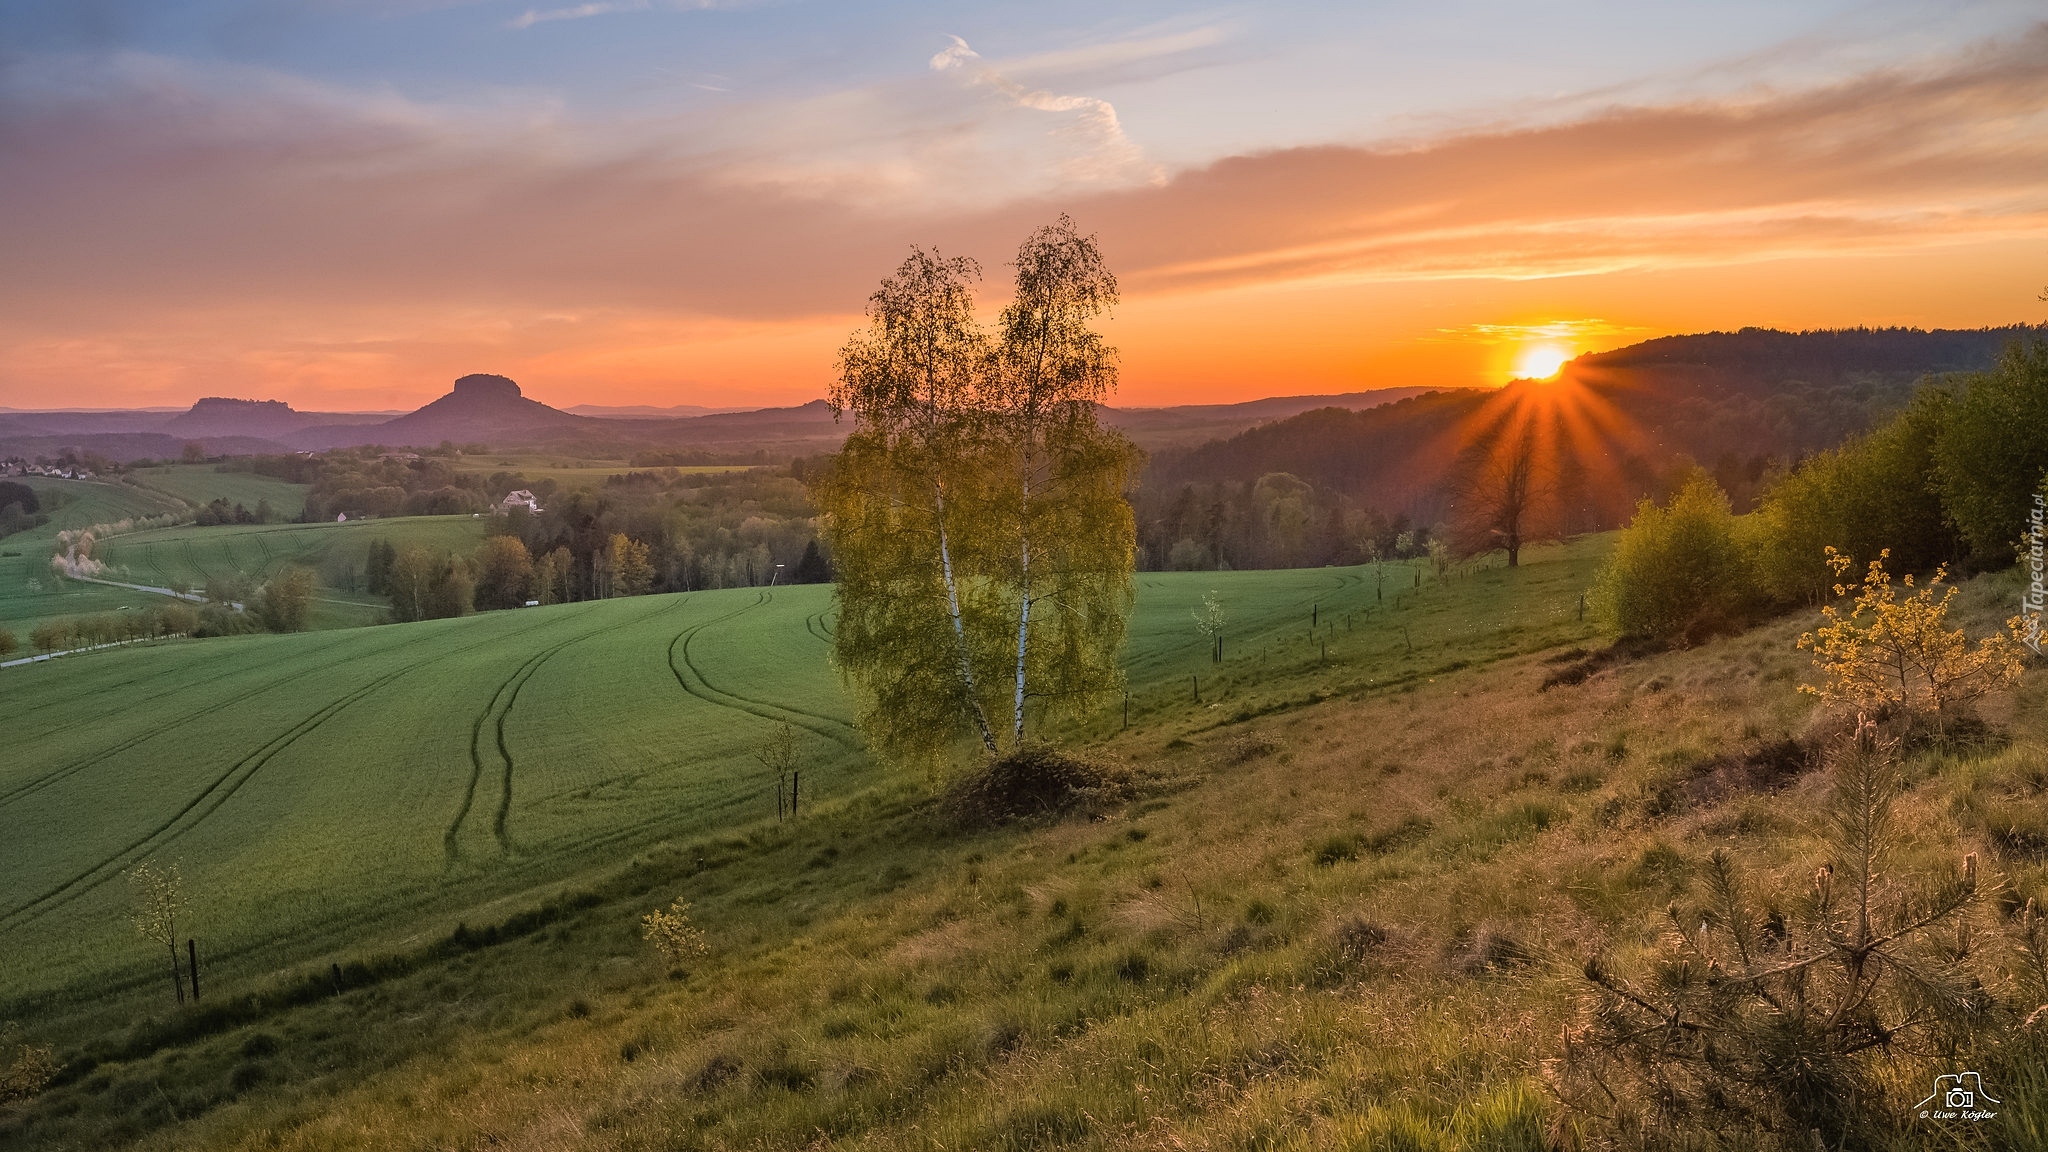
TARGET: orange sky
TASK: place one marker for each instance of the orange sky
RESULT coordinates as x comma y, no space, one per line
343,258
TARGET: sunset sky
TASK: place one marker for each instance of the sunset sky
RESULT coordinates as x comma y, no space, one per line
347,203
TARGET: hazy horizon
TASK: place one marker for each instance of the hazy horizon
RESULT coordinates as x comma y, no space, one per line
650,203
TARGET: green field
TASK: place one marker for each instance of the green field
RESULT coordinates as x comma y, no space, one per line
201,484
318,789
28,593
567,471
327,788
192,555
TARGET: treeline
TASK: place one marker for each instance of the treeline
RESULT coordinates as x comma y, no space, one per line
370,481
219,511
284,603
1276,521
20,510
1955,479
641,532
701,530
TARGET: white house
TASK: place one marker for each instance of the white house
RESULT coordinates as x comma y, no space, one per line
519,499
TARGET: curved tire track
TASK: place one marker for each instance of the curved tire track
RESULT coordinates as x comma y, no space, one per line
39,783
506,687
508,691
215,794
205,804
192,558
829,727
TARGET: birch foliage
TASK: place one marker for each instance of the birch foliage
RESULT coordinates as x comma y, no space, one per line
977,511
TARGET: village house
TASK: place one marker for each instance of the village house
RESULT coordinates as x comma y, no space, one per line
519,498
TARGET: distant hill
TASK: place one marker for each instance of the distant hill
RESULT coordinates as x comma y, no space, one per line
1733,401
481,407
1760,393
644,411
220,416
1155,428
1727,398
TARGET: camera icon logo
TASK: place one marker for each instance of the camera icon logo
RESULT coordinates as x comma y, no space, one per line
1957,1096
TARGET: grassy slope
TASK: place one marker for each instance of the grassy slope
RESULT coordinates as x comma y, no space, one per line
1185,973
192,555
321,789
28,593
201,484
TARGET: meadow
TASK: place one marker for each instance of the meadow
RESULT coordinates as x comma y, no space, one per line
28,592
567,471
202,484
338,553
1340,906
190,555
233,754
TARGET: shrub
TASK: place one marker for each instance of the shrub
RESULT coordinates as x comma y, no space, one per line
1762,1021
30,1069
8,643
1677,571
177,620
673,935
287,599
1887,655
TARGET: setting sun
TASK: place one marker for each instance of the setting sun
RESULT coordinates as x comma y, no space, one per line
1540,361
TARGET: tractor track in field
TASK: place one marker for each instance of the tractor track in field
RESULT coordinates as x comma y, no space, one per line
831,728
214,795
269,558
236,547
206,803
508,686
508,691
156,563
130,705
192,558
39,783
148,565
816,626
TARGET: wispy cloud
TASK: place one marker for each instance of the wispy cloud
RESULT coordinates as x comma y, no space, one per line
137,197
1110,155
1114,56
533,16
1568,331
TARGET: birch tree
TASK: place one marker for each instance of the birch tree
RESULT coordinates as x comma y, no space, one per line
1072,534
904,481
977,511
